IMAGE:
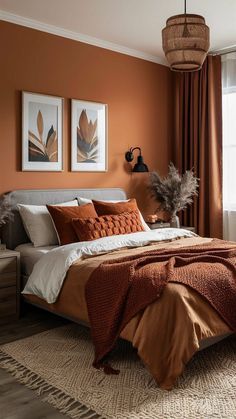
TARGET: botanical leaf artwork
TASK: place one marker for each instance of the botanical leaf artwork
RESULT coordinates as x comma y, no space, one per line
87,140
43,149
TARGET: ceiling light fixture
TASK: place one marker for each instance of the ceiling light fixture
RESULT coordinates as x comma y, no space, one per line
186,41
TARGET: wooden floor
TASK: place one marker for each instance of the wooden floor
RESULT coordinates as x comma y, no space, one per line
16,400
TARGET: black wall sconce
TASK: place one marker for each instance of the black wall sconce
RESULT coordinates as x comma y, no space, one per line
140,166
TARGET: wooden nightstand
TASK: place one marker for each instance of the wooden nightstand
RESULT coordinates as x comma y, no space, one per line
9,285
189,228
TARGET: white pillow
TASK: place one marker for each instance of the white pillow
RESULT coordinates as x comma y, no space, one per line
83,201
38,223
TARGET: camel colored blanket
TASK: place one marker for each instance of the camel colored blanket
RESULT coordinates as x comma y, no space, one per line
118,289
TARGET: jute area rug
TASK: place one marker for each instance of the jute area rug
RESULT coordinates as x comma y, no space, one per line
57,364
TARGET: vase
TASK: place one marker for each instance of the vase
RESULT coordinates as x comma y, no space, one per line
174,221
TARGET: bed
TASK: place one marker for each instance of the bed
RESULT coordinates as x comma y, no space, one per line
166,334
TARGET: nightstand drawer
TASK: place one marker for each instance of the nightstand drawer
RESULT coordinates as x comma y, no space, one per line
7,301
8,279
8,265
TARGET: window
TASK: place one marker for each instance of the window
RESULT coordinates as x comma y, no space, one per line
229,148
229,130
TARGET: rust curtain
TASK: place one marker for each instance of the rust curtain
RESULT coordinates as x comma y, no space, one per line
198,142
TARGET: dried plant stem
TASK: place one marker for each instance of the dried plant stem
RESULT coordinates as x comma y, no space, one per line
6,210
173,192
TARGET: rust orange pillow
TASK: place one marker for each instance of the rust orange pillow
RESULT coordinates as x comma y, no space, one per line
108,208
62,217
107,225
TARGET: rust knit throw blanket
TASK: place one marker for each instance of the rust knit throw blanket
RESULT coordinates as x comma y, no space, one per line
118,289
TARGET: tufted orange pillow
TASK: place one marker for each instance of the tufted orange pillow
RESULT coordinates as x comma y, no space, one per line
107,225
107,208
62,217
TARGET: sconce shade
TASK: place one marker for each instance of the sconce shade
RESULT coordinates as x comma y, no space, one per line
140,166
185,41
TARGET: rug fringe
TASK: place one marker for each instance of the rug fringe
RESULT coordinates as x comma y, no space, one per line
57,398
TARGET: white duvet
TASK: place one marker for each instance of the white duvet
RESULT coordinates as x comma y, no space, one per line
49,272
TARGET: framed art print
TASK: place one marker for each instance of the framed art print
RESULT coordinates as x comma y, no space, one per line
41,132
88,136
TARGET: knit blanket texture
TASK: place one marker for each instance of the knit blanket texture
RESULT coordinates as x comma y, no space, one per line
118,289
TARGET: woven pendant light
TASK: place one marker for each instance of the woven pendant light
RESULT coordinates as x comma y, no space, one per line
185,41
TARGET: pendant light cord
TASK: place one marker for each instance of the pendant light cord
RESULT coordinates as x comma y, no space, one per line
185,31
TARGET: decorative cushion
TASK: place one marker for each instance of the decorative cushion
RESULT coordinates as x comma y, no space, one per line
38,223
107,225
107,208
62,217
83,201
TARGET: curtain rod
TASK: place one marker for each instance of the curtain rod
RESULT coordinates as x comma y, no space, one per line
224,51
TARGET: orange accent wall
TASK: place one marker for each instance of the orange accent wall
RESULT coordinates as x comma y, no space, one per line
138,93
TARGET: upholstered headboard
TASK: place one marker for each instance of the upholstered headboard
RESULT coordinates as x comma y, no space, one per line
14,233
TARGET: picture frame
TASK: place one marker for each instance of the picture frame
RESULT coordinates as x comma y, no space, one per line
42,132
89,144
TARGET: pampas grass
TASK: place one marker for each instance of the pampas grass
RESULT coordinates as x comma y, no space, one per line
6,210
173,192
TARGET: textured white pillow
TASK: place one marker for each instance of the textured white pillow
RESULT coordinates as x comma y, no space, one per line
83,201
38,223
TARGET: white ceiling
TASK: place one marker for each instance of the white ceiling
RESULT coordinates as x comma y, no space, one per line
133,24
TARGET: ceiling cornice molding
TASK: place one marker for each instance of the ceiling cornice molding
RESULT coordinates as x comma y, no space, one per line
55,30
223,51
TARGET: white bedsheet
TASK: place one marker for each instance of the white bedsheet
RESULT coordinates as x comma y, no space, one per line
49,272
29,255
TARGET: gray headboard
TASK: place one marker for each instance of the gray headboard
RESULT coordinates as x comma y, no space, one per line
14,233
